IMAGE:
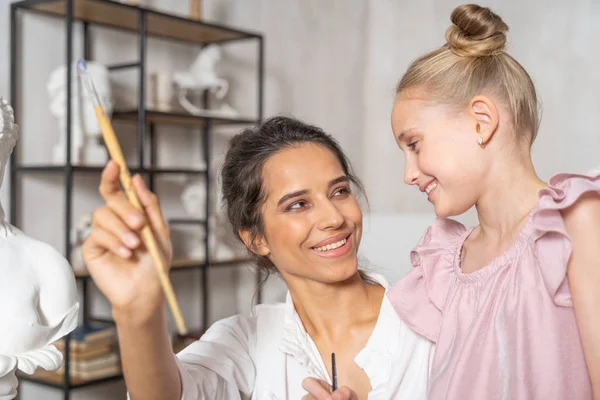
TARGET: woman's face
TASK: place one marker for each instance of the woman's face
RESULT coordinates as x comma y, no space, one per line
312,221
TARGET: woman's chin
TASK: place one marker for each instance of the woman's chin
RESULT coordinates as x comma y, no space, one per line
342,273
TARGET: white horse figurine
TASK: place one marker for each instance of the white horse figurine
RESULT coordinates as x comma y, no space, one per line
202,76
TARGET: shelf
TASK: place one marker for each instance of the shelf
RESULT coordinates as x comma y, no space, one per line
127,17
81,168
184,264
183,221
178,118
55,380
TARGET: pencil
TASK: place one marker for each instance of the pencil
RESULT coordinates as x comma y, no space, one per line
334,382
110,139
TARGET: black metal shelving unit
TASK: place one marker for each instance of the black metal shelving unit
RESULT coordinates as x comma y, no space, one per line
144,23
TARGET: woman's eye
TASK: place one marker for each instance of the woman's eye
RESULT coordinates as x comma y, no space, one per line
412,145
342,191
296,206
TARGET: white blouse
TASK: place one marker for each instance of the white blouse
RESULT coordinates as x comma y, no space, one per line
268,354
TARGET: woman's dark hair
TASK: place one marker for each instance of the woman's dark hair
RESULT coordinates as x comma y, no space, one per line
241,174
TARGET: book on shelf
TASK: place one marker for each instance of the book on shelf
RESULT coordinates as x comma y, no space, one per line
86,366
88,337
93,353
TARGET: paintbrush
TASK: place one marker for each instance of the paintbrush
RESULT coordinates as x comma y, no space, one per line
110,139
334,382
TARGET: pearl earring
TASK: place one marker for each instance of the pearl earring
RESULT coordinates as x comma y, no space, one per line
480,140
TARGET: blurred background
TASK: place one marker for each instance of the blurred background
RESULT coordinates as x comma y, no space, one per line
333,63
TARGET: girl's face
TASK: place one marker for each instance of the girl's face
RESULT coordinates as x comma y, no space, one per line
442,156
312,221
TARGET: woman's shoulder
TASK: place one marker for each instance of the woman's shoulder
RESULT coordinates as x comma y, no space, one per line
261,316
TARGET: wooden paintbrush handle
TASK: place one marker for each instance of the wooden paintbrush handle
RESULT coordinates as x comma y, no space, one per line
110,139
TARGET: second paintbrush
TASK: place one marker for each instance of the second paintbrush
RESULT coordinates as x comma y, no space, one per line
334,382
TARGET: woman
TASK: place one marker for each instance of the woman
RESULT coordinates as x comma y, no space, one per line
289,193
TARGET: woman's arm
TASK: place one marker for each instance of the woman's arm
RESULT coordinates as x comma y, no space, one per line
219,366
147,357
582,221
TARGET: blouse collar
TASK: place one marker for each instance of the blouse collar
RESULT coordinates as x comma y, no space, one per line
375,358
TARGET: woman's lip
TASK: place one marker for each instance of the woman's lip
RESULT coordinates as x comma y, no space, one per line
333,239
338,252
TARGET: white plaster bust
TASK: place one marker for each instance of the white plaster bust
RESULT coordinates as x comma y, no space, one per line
38,294
86,136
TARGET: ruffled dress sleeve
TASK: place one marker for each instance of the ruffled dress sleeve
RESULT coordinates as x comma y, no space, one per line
552,245
419,297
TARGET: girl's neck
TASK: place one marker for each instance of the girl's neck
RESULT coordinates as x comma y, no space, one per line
510,196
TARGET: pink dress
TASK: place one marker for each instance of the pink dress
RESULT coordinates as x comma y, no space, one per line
506,331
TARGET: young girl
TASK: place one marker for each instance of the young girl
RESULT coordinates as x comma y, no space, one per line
289,194
512,303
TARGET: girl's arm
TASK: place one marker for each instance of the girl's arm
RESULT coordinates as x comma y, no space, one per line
582,221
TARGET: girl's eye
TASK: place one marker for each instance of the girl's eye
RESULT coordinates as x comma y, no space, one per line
412,145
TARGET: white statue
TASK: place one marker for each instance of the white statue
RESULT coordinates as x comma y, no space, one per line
193,199
87,146
78,236
38,294
201,76
222,244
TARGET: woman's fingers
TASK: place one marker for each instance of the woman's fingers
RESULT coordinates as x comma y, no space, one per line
126,211
344,393
150,204
317,388
101,241
109,181
106,219
153,212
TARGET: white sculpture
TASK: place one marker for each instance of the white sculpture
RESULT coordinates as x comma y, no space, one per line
87,146
193,199
222,243
201,76
38,295
78,236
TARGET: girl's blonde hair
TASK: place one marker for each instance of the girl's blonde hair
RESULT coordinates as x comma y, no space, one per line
472,62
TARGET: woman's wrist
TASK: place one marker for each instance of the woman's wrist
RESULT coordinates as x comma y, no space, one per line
130,317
